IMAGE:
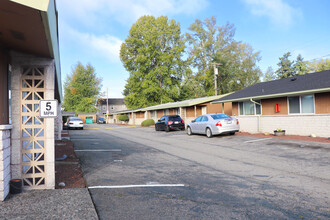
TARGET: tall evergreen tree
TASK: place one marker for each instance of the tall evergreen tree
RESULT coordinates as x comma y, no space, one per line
81,89
286,67
152,54
300,66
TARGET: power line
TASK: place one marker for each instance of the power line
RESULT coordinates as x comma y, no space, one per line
319,57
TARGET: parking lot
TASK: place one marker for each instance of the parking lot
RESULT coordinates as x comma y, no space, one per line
138,173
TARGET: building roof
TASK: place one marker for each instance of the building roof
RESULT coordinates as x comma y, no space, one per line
112,101
298,85
31,27
185,103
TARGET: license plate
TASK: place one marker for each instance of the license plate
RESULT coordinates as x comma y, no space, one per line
176,122
229,122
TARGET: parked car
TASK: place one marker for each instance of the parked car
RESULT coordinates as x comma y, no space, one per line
101,121
74,122
169,122
213,124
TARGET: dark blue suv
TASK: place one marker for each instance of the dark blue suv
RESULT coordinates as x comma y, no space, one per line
169,122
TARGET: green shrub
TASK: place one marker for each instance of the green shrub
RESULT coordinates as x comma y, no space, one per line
147,123
123,118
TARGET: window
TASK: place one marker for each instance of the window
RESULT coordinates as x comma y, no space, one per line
178,111
249,108
166,112
205,118
301,104
219,116
198,119
153,114
104,107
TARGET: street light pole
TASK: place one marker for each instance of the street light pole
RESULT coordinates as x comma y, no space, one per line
215,77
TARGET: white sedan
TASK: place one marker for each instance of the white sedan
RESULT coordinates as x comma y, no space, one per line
74,122
213,124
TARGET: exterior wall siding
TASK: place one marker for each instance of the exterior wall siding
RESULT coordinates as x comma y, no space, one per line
293,124
268,106
322,103
5,171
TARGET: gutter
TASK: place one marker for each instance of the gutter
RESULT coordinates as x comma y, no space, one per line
251,100
275,95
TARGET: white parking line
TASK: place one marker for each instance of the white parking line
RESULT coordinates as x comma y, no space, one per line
263,139
135,186
101,150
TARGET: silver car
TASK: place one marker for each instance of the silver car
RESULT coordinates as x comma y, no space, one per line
74,122
213,124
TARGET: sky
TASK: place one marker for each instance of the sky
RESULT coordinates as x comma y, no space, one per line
92,31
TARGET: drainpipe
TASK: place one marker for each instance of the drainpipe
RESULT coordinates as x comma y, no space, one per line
195,111
258,115
223,108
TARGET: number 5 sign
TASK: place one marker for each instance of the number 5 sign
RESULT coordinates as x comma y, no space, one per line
48,108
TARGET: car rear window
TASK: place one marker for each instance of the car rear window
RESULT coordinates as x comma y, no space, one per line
175,118
220,116
75,119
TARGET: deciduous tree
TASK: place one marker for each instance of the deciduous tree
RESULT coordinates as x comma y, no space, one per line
81,89
152,54
209,43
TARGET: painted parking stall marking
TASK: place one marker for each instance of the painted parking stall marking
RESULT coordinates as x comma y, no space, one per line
99,150
136,186
263,139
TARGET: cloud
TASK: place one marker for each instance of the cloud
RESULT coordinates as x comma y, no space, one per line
126,11
279,12
105,46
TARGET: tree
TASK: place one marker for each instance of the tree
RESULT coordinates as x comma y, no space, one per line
209,44
269,75
81,89
152,54
286,68
300,66
318,65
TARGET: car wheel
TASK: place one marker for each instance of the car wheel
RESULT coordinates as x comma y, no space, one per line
232,133
167,128
156,128
189,132
208,133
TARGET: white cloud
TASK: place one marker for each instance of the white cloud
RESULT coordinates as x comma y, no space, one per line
105,46
126,11
279,12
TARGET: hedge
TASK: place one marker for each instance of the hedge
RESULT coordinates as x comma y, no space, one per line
123,118
147,123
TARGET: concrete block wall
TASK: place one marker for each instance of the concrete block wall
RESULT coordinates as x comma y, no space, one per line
248,123
304,125
5,172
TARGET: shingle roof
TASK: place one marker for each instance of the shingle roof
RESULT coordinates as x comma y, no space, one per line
112,101
312,82
185,103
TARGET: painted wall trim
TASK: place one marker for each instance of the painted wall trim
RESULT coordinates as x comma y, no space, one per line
275,95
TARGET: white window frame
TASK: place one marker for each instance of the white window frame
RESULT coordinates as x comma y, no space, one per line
300,113
254,107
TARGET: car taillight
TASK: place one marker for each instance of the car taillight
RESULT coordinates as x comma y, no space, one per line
219,124
169,122
237,121
81,123
182,121
71,123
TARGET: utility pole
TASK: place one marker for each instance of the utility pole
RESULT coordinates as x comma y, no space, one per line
107,107
215,66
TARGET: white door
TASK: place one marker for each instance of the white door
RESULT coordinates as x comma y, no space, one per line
204,110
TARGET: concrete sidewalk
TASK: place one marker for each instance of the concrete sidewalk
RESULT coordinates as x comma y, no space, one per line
49,204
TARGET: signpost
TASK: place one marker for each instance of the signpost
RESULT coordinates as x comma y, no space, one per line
48,108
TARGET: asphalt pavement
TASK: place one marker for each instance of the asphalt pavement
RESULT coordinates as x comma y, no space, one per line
138,173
